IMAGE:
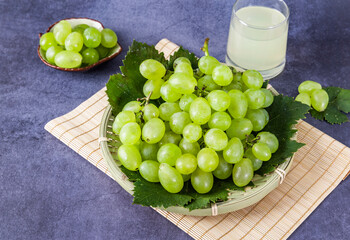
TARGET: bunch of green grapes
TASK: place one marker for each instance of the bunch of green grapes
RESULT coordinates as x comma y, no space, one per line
81,45
312,94
209,125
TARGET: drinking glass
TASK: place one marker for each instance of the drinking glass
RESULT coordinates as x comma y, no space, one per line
258,36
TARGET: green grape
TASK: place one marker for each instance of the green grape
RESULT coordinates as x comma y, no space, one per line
192,132
80,28
257,118
233,85
202,181
207,83
130,133
303,98
319,100
234,151
242,172
261,151
184,68
182,83
224,169
240,128
47,40
208,159
257,163
153,85
148,151
266,115
52,52
168,93
168,153
121,119
181,60
167,109
102,51
108,38
186,100
150,111
268,97
186,164
170,179
178,121
138,145
239,106
152,69
222,75
149,170
68,59
269,139
129,156
61,30
200,111
206,64
187,147
74,42
133,106
308,87
216,139
256,98
92,37
219,100
170,137
252,79
220,120
167,126
153,130
186,177
90,56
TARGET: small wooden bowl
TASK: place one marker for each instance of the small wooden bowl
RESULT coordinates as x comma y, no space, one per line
113,52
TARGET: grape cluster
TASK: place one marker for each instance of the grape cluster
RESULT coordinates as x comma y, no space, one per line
312,94
81,45
209,125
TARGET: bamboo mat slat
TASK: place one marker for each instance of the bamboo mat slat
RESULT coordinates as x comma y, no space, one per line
317,169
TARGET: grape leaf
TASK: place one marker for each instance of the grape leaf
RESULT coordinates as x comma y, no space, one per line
343,100
138,52
339,100
153,194
183,53
284,114
219,192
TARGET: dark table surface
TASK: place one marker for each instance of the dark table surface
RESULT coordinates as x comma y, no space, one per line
48,191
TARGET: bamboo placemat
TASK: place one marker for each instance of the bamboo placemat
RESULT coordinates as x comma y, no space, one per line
317,169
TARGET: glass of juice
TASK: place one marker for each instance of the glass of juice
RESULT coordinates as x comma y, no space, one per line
258,36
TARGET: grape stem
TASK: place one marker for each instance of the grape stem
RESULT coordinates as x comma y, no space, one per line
145,100
251,142
205,47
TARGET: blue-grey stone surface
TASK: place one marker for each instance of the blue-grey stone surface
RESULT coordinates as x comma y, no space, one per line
47,191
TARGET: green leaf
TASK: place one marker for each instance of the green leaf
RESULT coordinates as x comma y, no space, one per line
138,52
333,115
121,90
153,194
339,100
183,53
343,100
284,114
219,192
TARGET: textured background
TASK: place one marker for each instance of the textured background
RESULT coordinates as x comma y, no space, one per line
48,191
